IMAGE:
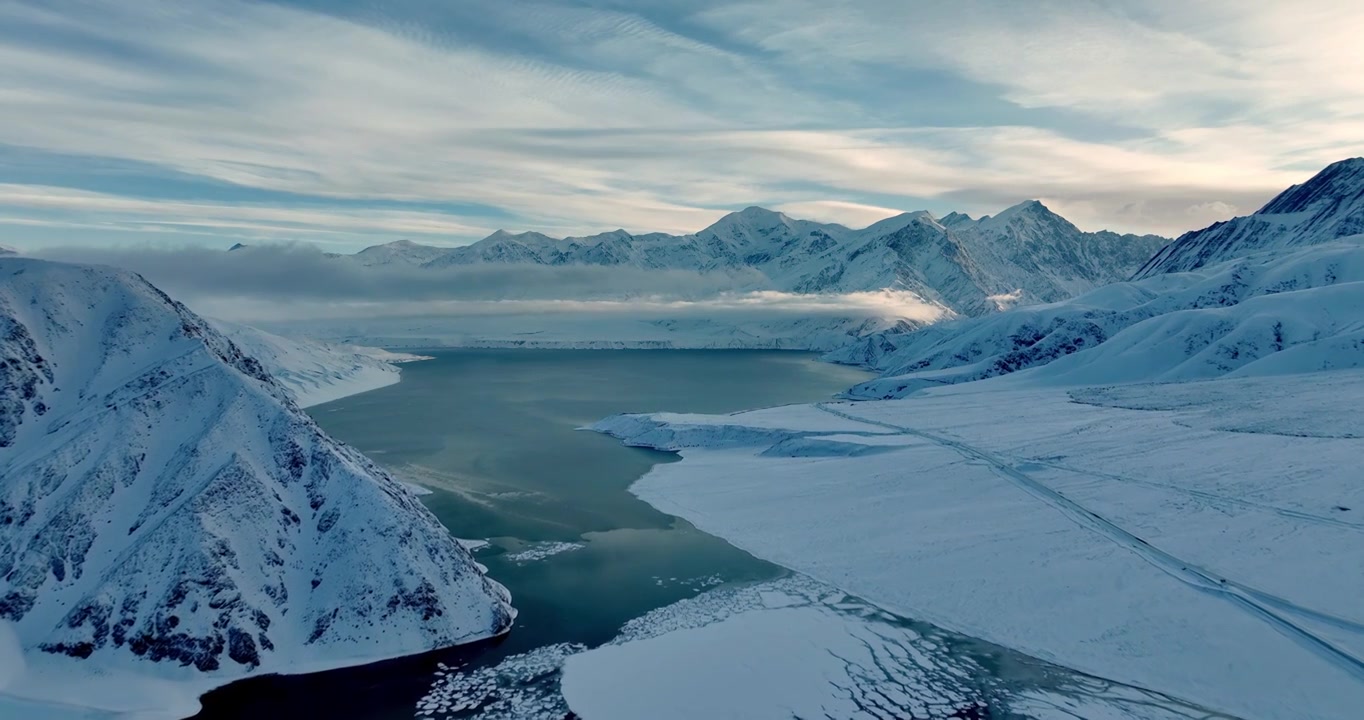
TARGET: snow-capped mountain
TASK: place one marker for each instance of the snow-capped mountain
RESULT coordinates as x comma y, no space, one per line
7,250
1272,302
166,510
1329,206
1025,254
402,252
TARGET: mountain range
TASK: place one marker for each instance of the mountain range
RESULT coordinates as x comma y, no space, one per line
966,266
1279,291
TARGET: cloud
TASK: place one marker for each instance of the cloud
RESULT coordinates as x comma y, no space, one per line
849,214
292,283
125,213
571,118
275,274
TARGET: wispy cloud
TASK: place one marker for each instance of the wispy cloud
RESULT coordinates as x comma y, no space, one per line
573,118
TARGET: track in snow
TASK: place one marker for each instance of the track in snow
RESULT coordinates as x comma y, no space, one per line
1248,599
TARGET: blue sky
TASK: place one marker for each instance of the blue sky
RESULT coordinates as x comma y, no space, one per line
349,123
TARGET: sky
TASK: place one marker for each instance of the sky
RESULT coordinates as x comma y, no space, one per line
348,123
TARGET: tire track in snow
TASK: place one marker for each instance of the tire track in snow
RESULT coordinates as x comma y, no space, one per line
1211,497
1248,599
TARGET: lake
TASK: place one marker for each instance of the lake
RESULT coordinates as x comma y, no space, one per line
493,434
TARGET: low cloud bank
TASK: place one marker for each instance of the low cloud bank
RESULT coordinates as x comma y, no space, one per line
284,283
304,273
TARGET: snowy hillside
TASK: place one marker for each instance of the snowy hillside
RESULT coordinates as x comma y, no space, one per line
1025,254
1329,206
168,512
314,372
6,250
1197,539
1266,300
1271,312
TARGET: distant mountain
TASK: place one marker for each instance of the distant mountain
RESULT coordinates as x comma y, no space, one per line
402,252
1329,206
166,509
6,250
1275,292
1026,254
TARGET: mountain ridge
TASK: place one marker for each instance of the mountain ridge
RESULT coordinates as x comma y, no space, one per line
1277,291
167,511
1026,252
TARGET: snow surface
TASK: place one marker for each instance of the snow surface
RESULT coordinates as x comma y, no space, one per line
799,648
314,372
1198,538
172,521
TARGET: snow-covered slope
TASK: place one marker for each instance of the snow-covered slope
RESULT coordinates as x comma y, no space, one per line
167,511
1282,293
1271,312
1198,539
7,250
315,372
1329,206
1025,254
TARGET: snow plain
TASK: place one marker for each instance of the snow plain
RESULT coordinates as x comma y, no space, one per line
796,647
1198,539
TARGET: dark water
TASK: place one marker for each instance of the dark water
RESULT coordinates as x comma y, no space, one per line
493,434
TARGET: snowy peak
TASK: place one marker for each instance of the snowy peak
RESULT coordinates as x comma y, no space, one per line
1327,207
399,252
7,250
501,236
956,220
750,225
892,224
1030,212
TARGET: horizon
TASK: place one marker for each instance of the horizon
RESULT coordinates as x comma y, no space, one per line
214,122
